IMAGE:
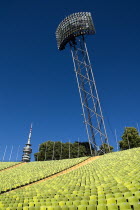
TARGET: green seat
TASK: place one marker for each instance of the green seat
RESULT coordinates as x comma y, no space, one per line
15,204
79,198
72,207
101,201
112,206
82,207
110,195
51,208
92,202
111,201
101,196
132,200
25,208
55,203
101,207
19,204
136,206
118,195
91,207
53,200
125,206
47,204
120,200
57,207
25,204
62,203
31,208
127,194
87,194
6,205
38,204
10,204
43,207
84,202
76,202
65,207
31,204
123,189
137,194
93,192
116,191
93,197
65,199
68,203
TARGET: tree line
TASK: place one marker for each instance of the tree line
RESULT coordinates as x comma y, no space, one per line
56,150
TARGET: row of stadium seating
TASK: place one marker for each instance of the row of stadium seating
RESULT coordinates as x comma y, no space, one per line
111,182
4,165
33,171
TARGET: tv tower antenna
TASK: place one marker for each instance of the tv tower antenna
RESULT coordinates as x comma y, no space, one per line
27,149
72,30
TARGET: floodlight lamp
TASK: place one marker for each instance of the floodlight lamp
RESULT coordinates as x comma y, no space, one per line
74,25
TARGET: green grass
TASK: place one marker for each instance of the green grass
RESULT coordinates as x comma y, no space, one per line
110,182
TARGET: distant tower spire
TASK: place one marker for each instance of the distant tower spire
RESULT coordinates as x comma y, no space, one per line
27,149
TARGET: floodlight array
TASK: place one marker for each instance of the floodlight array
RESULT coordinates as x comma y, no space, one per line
74,25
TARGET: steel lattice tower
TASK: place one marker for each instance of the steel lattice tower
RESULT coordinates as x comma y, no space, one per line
72,30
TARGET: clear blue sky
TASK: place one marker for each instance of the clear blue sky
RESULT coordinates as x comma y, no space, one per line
38,84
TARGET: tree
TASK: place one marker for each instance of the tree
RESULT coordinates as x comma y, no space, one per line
130,139
105,148
50,150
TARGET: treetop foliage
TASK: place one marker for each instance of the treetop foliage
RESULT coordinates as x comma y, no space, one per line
130,139
105,148
57,150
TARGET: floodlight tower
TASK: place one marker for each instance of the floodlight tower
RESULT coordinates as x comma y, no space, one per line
72,30
27,150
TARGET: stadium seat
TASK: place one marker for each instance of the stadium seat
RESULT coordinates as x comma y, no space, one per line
72,207
65,207
137,194
120,200
118,195
111,201
133,200
82,207
92,202
101,201
101,207
91,207
136,206
112,206
84,202
76,202
127,194
125,206
110,195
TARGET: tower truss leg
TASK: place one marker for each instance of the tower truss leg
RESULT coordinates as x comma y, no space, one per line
92,112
